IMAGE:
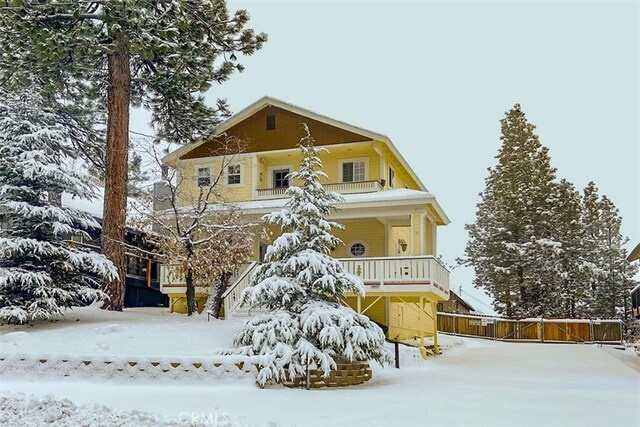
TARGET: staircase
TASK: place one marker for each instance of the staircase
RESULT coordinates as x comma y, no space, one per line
231,297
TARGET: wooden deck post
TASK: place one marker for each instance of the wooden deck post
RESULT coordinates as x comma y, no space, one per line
436,347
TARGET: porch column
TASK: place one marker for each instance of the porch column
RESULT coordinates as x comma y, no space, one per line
418,234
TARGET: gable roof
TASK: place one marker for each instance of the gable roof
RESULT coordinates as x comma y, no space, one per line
635,254
462,301
267,101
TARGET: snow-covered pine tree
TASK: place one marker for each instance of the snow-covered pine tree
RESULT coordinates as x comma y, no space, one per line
511,232
102,57
40,273
567,285
611,297
301,286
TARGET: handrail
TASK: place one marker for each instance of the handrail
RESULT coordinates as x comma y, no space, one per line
231,297
240,277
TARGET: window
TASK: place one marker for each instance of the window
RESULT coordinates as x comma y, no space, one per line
234,175
280,178
271,122
136,266
204,177
353,171
392,178
440,307
357,248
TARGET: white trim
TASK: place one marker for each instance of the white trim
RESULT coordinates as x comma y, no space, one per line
423,233
254,175
270,171
359,159
226,175
196,174
354,242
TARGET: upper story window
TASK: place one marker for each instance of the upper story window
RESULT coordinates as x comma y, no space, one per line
392,178
204,177
353,171
271,122
234,175
280,178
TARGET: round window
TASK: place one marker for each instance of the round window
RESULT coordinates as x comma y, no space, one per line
357,249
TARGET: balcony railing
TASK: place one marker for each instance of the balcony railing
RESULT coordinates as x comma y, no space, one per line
339,187
386,274
401,273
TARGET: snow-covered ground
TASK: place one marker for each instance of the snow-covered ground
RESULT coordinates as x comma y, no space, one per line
475,382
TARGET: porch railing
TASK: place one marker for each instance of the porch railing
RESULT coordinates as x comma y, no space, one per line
416,270
400,270
171,277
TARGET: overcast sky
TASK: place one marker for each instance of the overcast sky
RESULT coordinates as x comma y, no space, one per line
437,77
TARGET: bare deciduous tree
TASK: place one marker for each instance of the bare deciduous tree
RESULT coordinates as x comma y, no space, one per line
197,231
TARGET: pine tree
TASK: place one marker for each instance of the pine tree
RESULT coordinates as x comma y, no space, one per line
98,58
511,233
40,273
570,273
301,286
612,290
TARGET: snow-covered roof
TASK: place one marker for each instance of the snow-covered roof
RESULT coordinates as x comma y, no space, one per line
397,197
270,101
93,207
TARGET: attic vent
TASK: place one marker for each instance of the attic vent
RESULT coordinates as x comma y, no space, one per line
271,122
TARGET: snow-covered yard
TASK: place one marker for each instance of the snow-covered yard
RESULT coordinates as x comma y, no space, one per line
475,382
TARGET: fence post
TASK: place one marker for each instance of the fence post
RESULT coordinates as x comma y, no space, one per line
455,320
541,329
592,337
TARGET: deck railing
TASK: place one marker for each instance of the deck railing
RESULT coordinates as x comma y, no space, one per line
375,272
339,187
400,270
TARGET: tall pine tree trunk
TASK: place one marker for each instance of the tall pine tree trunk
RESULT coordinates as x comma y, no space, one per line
115,185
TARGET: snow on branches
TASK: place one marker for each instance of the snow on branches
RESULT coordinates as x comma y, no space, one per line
40,273
198,233
301,285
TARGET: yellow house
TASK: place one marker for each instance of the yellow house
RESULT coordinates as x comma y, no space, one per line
390,218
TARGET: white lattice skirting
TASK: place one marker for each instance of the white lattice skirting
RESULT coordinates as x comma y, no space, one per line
127,367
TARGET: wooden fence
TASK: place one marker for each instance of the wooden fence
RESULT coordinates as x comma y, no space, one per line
541,330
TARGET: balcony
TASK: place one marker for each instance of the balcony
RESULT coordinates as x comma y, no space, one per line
400,274
340,187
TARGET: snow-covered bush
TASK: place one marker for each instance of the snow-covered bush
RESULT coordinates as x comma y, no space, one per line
301,284
40,273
